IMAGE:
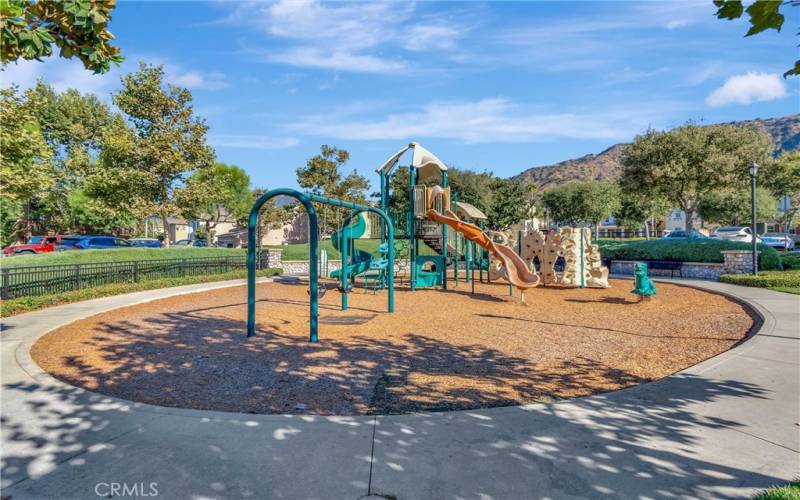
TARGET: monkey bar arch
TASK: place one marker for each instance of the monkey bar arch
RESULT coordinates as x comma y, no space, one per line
313,227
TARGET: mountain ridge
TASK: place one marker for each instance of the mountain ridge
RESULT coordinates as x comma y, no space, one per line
607,164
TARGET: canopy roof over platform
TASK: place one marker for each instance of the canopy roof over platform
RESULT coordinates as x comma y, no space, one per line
427,164
471,211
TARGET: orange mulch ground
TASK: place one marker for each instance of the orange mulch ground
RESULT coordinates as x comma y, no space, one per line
440,350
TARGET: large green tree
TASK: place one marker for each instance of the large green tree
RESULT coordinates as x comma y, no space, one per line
575,202
637,210
688,163
217,194
782,177
79,28
731,207
323,176
169,140
26,166
508,206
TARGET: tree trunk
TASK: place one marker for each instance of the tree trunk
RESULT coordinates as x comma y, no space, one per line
688,212
165,223
647,230
597,231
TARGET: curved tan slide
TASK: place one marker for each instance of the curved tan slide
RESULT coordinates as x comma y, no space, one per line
516,271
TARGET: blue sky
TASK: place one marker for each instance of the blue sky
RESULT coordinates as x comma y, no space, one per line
496,86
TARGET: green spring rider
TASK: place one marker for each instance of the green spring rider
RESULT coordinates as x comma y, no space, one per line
644,286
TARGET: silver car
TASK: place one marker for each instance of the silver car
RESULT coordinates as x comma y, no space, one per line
778,241
735,233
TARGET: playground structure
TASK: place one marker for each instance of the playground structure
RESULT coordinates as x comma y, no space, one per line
428,219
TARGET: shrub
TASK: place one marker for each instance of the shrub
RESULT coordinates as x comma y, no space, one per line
768,279
690,250
790,261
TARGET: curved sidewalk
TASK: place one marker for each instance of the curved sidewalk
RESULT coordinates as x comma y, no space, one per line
726,427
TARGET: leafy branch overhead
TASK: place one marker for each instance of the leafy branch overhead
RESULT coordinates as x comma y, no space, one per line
79,28
764,15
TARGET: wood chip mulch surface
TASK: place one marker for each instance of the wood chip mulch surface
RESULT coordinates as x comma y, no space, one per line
440,350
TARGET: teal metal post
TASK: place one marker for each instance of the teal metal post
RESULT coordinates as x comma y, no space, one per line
252,224
344,248
455,245
583,276
412,228
444,239
357,209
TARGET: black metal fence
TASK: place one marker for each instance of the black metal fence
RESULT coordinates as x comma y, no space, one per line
47,280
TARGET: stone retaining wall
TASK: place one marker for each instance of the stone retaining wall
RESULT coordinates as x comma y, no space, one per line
736,262
696,270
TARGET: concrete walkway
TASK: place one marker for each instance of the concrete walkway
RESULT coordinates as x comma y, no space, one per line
727,427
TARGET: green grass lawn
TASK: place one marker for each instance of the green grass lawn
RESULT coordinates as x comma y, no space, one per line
298,251
789,492
114,255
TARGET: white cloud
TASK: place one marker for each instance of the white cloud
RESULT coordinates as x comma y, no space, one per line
432,36
344,36
486,120
61,74
195,79
748,88
311,57
677,23
244,141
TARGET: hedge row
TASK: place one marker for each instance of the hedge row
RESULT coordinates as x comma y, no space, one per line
790,261
692,250
773,279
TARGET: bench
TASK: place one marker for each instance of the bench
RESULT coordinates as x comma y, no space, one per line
667,265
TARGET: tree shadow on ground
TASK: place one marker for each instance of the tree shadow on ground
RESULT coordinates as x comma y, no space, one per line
627,444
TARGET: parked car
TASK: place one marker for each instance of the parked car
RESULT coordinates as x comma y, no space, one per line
36,244
191,243
735,233
145,242
680,234
779,241
99,242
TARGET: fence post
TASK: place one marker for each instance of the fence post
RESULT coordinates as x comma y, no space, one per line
6,284
227,263
136,271
77,276
183,268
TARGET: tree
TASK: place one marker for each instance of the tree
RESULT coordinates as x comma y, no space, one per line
508,205
782,177
638,210
217,194
685,164
731,207
25,161
322,176
29,29
169,141
764,15
582,201
73,125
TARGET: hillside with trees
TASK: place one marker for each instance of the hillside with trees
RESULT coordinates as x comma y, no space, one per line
607,165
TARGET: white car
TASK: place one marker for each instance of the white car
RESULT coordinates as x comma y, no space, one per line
779,241
735,233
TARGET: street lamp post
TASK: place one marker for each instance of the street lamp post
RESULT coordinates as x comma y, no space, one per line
753,173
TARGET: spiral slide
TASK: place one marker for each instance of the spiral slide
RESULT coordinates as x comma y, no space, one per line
515,269
361,261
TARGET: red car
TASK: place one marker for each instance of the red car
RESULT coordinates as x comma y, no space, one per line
37,244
